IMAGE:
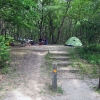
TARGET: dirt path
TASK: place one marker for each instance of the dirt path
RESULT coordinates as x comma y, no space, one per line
27,79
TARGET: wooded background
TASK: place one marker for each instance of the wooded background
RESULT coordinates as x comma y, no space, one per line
56,20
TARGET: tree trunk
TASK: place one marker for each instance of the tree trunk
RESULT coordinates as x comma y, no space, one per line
62,21
51,28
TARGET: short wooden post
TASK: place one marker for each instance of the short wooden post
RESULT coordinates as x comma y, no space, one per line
48,51
54,78
99,79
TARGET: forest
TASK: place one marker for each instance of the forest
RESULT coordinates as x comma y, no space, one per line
57,20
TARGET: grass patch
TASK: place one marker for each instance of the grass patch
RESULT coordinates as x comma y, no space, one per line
5,70
48,66
42,66
96,89
48,62
90,53
87,60
47,56
59,89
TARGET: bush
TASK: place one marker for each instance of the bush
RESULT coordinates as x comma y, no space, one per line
4,53
9,40
90,53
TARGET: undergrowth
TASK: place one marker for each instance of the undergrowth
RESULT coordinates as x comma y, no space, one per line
48,62
4,56
91,55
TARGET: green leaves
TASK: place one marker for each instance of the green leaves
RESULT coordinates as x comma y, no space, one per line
4,53
17,11
90,53
79,9
54,18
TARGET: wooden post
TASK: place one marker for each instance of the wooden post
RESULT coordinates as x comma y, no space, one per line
99,79
54,78
48,51
99,82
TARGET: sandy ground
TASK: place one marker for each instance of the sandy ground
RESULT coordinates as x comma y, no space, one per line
28,79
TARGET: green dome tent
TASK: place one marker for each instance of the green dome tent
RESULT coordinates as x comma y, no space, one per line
73,41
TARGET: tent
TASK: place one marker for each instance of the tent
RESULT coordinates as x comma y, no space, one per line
73,41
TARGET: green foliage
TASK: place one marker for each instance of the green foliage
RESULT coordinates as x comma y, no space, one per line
18,12
96,89
90,53
60,90
4,53
57,20
87,59
9,40
91,30
86,26
79,9
4,70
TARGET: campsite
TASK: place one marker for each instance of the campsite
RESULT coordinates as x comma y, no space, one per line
49,50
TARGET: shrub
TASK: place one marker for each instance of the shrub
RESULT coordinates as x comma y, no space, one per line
4,53
90,53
